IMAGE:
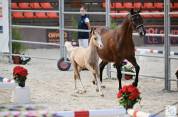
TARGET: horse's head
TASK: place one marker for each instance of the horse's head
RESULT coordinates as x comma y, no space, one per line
137,22
96,38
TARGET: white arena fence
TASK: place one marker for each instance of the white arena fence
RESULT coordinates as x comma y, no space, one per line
115,112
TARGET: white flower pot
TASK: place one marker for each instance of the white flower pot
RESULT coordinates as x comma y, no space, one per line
21,95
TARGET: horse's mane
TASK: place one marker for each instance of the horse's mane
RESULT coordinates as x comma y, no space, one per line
104,29
124,22
119,34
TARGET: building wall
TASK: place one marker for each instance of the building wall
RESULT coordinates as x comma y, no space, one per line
38,35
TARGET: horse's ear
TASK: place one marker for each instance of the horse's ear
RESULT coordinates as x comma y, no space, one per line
92,30
132,11
139,10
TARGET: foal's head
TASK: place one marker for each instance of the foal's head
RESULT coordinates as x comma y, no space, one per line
96,38
137,22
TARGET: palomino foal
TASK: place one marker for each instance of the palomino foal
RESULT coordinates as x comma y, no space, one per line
86,58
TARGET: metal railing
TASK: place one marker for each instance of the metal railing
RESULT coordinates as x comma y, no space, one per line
29,26
107,13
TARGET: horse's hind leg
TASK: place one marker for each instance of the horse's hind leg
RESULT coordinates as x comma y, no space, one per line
75,75
137,69
75,80
119,75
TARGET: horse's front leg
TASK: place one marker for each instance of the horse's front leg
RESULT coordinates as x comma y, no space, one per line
137,69
119,75
98,85
98,81
101,67
95,71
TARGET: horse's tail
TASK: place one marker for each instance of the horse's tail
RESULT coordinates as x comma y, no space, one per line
69,46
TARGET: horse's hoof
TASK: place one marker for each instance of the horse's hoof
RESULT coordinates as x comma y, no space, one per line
80,92
93,82
74,95
97,90
102,95
119,89
77,91
103,86
84,91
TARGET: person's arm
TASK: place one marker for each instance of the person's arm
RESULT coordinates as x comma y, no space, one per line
87,21
89,26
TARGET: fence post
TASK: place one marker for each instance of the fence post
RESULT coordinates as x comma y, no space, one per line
108,25
10,32
61,29
167,44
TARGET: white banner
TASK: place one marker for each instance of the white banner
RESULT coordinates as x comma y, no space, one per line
4,26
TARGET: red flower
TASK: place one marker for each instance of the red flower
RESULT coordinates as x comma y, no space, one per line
18,70
131,88
119,94
128,93
133,91
134,95
125,89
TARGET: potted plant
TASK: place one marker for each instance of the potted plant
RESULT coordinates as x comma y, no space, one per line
20,75
17,48
128,96
128,70
74,33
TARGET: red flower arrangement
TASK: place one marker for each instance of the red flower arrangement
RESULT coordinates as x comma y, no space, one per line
128,96
18,70
19,74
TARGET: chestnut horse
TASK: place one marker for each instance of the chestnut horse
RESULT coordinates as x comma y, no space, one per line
119,45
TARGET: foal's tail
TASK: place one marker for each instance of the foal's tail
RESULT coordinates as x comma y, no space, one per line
69,46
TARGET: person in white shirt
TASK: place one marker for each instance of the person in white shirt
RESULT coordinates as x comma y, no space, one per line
83,24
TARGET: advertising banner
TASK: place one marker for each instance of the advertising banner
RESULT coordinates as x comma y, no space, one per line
53,35
160,30
4,26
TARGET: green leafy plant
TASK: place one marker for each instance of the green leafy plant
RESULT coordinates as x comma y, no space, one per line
17,48
113,24
74,24
128,67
